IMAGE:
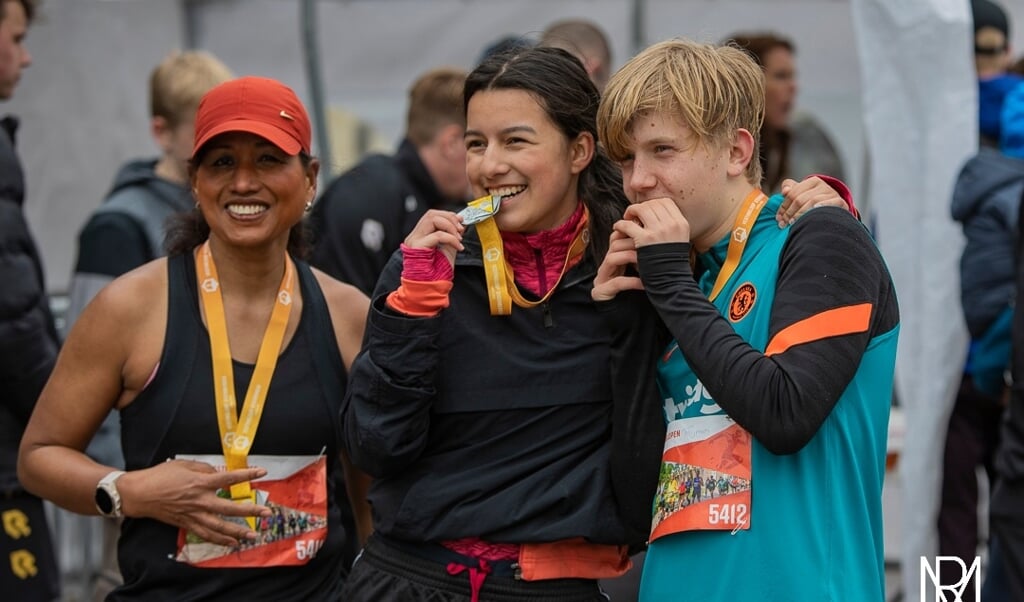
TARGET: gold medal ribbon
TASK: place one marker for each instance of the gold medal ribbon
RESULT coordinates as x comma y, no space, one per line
237,434
501,286
741,228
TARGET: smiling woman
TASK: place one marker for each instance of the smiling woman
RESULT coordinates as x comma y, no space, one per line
254,182
233,304
487,404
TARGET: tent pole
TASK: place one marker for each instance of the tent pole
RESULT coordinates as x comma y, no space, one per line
637,26
311,60
190,24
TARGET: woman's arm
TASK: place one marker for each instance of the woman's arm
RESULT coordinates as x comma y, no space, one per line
102,366
813,191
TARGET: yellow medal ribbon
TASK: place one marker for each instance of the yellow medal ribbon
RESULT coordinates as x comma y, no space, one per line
741,228
237,434
501,287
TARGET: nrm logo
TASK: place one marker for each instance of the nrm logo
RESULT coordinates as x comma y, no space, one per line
966,576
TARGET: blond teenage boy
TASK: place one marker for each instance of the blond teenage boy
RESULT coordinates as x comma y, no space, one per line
778,378
126,231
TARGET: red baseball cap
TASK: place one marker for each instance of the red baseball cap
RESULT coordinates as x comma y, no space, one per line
257,105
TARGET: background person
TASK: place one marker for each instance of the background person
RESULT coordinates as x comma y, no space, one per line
792,145
28,340
993,58
985,201
587,42
366,212
145,346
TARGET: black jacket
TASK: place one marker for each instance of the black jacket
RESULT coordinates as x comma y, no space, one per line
365,214
986,201
1010,456
539,426
28,340
128,229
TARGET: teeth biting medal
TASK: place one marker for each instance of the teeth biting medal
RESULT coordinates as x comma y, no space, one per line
480,209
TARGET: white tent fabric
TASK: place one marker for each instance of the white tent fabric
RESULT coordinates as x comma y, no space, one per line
920,113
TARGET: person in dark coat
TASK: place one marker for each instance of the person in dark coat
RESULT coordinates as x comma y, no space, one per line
28,341
366,212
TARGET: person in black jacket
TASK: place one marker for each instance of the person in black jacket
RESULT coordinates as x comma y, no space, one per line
28,342
1006,509
367,211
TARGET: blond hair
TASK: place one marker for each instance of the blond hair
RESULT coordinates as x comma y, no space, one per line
714,90
435,101
179,82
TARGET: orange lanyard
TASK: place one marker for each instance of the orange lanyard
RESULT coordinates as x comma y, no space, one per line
741,228
501,285
237,434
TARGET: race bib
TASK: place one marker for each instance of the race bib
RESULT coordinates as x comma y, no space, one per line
295,490
705,477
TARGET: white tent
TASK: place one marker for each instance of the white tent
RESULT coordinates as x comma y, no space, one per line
889,80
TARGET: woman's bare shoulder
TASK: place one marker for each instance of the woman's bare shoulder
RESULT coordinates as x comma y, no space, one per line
348,307
342,297
135,292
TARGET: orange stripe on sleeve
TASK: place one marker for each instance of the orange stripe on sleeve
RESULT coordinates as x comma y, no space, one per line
420,299
831,323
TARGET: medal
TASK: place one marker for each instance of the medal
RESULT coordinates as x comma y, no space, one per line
480,209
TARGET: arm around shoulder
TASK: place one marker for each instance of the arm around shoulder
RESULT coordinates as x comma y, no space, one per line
638,423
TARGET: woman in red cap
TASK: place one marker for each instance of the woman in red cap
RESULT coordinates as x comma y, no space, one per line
227,362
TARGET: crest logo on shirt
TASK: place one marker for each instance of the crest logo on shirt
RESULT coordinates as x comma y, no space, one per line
742,302
372,235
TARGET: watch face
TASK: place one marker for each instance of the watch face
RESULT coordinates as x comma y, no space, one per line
104,502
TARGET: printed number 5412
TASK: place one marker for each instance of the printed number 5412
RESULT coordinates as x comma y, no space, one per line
727,514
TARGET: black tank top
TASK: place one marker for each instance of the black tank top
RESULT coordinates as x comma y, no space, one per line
175,414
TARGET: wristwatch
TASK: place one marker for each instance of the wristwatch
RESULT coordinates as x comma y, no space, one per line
108,500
